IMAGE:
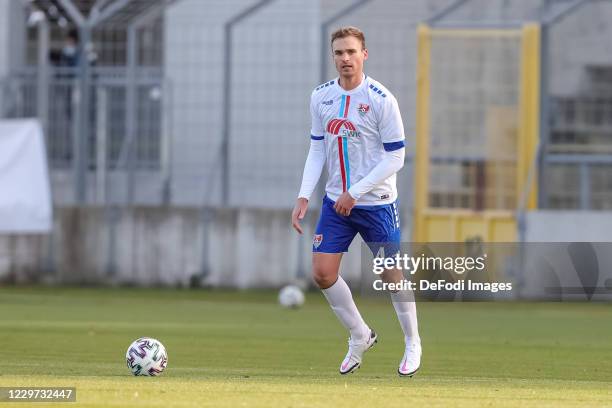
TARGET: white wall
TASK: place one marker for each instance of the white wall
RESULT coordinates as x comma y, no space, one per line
158,246
581,259
569,226
251,248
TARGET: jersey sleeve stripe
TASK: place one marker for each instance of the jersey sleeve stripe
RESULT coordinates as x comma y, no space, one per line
389,147
313,137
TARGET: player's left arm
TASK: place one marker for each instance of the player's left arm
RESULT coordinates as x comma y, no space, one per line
390,164
391,131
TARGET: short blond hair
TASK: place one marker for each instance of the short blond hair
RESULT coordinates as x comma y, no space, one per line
349,31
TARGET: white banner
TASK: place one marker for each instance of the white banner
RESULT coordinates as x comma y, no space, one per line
25,196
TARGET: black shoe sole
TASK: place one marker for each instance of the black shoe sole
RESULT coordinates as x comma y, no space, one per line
352,370
409,375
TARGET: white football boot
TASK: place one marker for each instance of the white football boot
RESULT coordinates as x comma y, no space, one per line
411,361
352,361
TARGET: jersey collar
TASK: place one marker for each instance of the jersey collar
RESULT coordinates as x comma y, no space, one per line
354,90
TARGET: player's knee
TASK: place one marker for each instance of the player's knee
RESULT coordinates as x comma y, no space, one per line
392,276
324,279
325,269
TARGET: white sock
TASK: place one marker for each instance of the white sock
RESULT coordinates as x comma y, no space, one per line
341,301
405,307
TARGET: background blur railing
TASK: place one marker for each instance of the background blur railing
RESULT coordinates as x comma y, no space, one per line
107,124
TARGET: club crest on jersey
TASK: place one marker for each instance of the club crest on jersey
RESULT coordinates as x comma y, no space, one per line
316,241
343,128
363,108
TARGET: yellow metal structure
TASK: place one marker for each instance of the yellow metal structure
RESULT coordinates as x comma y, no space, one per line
435,223
529,131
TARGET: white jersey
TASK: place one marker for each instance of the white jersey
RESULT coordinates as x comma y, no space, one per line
357,127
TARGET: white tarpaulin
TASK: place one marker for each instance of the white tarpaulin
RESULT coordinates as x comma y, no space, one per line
25,196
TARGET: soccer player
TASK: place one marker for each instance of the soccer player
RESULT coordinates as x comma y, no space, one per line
357,130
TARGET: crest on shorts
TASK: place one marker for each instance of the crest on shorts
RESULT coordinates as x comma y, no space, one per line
316,241
363,109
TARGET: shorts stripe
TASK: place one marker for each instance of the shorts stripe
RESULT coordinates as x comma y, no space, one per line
395,216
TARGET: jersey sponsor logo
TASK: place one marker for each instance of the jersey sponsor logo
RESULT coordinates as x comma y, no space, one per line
343,128
328,103
384,196
363,109
349,133
316,241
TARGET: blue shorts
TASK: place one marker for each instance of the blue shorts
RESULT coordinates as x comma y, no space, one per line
378,225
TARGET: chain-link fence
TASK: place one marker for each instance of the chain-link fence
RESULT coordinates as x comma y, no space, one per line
221,97
216,98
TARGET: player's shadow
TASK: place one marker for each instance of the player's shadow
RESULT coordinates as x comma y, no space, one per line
586,264
440,295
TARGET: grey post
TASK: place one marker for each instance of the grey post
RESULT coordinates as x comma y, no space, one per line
227,94
78,159
206,215
42,97
130,112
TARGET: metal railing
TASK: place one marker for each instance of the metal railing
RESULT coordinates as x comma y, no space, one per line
107,118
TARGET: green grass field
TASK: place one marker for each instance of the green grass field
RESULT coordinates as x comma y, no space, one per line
241,350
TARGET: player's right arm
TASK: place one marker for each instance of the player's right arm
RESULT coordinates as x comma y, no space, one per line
313,167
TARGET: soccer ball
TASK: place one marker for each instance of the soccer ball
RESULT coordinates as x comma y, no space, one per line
291,296
146,356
